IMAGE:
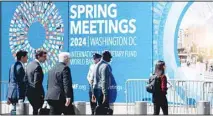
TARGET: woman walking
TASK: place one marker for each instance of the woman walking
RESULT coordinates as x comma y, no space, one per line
159,96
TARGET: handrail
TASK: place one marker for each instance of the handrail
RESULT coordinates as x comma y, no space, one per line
171,80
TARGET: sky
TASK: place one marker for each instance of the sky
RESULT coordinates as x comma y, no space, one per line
199,13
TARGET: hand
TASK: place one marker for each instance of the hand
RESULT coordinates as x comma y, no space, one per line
67,102
93,99
8,102
91,82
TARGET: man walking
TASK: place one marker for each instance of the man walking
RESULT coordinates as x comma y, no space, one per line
60,91
16,87
90,78
102,74
34,77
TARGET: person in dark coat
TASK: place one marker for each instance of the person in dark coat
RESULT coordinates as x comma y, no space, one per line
159,96
16,86
60,92
34,79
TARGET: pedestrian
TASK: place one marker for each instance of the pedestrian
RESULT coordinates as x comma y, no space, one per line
159,96
102,76
60,92
90,78
34,77
16,86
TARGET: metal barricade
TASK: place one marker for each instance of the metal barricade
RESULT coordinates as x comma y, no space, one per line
4,89
182,95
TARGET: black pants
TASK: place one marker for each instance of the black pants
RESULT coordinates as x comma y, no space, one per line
92,104
161,103
36,98
36,102
56,107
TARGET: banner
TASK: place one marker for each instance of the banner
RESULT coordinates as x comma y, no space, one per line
138,34
95,27
81,28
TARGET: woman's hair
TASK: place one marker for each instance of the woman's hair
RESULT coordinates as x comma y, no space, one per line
159,68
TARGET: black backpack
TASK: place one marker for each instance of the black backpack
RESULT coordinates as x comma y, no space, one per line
153,85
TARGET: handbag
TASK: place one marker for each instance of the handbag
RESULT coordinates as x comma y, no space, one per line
69,110
101,110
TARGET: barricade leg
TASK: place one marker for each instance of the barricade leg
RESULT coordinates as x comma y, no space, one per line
203,107
141,108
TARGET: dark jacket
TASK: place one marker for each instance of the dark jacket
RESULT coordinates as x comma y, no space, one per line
34,78
160,96
59,83
16,86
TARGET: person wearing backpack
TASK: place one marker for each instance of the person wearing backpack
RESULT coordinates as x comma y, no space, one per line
159,98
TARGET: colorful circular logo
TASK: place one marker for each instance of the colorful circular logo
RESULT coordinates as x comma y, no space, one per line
48,16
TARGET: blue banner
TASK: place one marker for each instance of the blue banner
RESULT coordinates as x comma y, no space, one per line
82,28
117,27
136,33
